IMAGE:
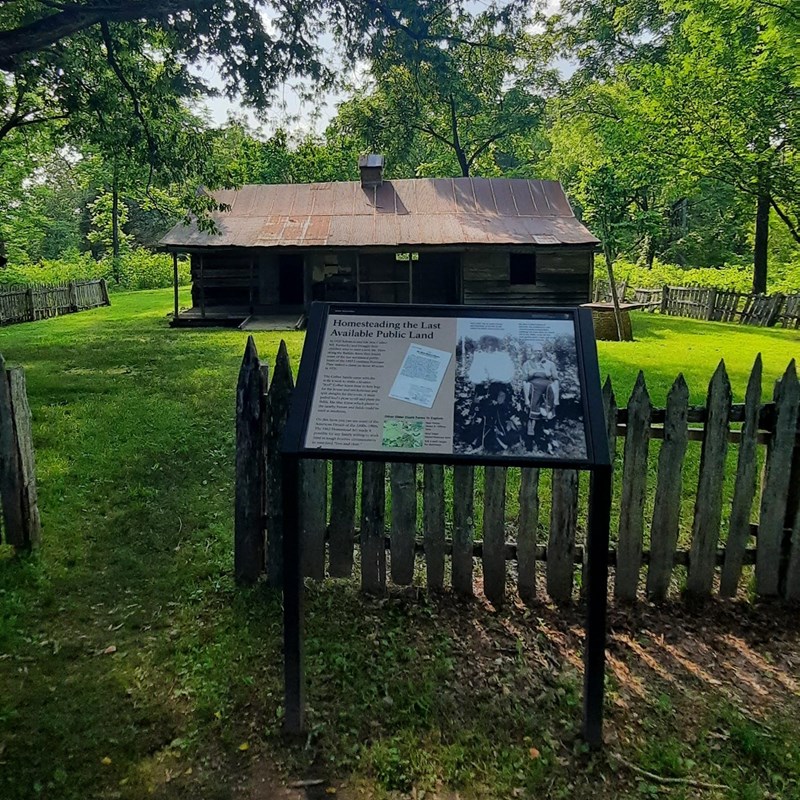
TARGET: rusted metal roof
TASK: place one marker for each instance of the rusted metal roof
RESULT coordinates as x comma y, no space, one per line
403,213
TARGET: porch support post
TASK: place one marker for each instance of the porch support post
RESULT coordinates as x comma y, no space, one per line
252,282
202,288
175,283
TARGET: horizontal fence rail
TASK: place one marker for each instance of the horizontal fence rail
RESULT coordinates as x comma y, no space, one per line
717,305
454,525
32,303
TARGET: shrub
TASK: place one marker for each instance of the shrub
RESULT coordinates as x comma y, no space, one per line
783,278
138,269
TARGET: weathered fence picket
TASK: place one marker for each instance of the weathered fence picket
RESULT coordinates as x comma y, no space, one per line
745,487
634,487
344,479
561,542
313,517
495,539
433,516
494,534
280,390
403,479
708,506
373,510
527,533
775,492
18,494
667,508
463,528
249,505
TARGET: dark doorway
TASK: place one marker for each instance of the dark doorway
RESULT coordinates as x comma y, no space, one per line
291,283
435,278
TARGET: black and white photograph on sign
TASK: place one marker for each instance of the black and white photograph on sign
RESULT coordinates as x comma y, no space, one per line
518,389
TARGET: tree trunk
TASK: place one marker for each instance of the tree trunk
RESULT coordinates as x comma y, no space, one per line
115,226
459,150
762,240
613,286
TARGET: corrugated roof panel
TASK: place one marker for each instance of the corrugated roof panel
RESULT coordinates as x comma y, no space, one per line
301,204
317,231
556,198
322,199
474,229
283,199
522,197
405,201
484,196
344,196
351,231
385,199
465,196
436,197
540,199
504,198
364,201
387,230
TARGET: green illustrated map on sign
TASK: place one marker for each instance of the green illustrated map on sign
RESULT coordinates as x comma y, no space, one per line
403,433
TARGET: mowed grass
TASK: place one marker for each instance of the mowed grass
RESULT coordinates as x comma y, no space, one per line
130,666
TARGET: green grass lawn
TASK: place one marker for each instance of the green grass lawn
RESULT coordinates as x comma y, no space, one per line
131,667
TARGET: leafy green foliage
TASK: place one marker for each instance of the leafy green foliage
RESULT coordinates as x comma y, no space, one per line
784,278
137,269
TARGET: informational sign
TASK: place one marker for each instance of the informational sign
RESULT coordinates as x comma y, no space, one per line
449,383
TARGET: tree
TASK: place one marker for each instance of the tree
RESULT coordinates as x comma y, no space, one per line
726,101
446,109
603,153
716,93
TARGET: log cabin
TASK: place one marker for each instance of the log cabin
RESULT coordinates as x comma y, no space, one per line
472,241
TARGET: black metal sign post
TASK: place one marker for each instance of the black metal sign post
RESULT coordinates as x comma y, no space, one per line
293,618
299,442
594,653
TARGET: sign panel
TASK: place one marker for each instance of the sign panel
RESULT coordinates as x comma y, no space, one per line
448,383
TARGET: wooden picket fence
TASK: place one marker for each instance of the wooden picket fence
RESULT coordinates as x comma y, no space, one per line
18,495
718,305
452,539
34,302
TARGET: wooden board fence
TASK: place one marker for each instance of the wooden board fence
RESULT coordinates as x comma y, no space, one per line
31,303
447,544
717,305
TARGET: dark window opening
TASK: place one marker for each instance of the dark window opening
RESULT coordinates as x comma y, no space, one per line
522,268
291,279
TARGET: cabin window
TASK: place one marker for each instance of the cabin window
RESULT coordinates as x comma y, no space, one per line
522,269
383,279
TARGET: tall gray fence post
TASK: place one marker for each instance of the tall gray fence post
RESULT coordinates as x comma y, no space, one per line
248,560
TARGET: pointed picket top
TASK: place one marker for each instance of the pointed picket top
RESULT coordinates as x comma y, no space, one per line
720,394
610,412
754,384
608,391
679,391
640,396
789,379
249,360
283,368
